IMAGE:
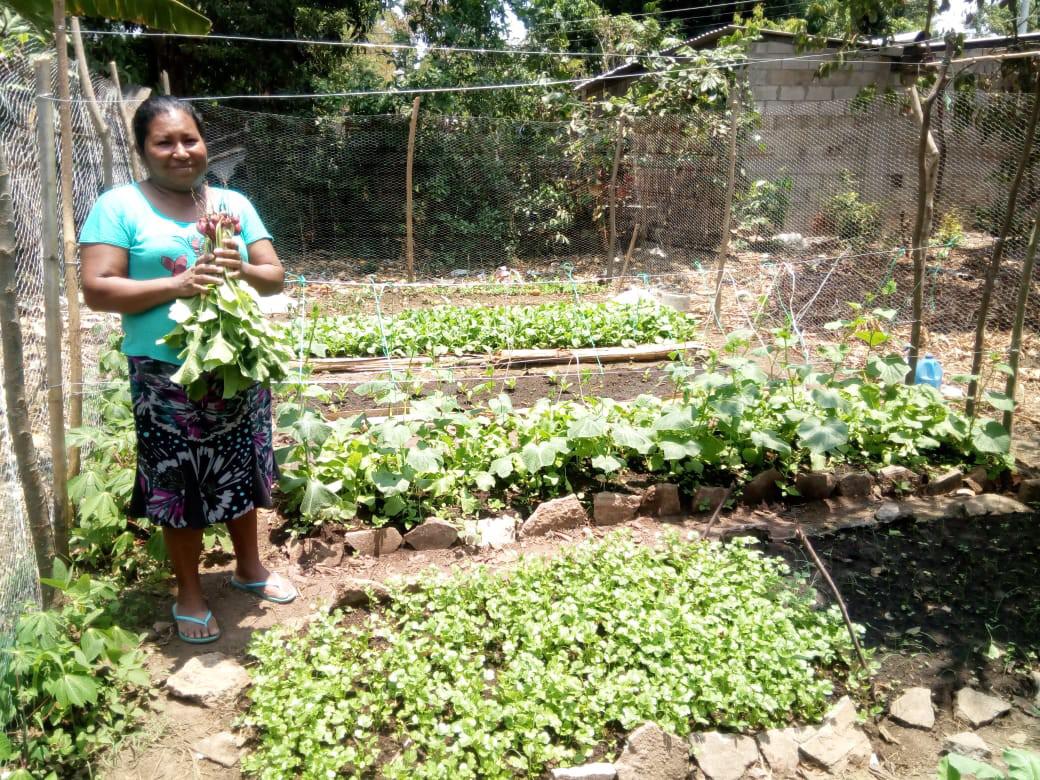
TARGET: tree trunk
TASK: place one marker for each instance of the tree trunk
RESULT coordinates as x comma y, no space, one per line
1020,317
612,199
998,255
100,125
409,236
68,234
727,206
131,145
33,490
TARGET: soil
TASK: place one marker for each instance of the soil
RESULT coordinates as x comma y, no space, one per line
940,600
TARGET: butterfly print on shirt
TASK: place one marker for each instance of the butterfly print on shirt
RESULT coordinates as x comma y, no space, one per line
178,266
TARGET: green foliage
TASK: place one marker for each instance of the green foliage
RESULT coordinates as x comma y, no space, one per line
730,421
853,220
1022,765
465,329
73,681
504,675
223,336
169,15
762,209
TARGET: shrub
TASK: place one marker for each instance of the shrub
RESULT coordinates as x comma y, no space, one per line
854,220
762,210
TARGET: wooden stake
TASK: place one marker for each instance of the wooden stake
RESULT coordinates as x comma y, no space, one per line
612,198
628,255
727,213
101,127
1020,317
68,234
33,490
135,162
164,82
52,302
927,170
998,253
409,237
834,589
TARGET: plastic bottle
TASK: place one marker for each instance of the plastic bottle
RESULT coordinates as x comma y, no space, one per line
929,371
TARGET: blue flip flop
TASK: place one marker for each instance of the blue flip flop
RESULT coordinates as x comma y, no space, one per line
195,640
257,589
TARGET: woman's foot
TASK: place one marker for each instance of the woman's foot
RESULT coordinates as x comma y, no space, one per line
195,622
268,585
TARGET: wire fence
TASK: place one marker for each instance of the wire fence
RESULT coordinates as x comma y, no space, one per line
820,197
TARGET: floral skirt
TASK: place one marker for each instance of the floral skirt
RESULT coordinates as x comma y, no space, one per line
198,462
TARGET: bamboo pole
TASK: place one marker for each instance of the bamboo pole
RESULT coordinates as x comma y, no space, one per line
33,490
998,254
1020,317
68,231
612,198
727,213
135,162
628,254
409,234
104,132
164,82
52,303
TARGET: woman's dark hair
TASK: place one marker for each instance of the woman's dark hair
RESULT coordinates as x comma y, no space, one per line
156,106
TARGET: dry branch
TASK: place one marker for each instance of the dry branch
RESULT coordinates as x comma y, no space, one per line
727,214
409,235
1020,315
101,127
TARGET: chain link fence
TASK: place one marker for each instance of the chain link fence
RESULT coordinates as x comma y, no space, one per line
820,198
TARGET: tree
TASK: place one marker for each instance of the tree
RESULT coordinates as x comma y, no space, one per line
158,14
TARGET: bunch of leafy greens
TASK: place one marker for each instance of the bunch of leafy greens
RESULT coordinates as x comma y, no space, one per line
504,675
223,336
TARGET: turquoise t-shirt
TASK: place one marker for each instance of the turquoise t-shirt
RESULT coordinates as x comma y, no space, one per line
159,246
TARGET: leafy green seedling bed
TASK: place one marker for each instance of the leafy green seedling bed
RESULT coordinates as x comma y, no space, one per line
502,675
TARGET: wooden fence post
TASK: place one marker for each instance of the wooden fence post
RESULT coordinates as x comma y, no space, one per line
164,82
33,491
409,235
612,198
68,231
731,185
104,132
52,302
1020,317
135,163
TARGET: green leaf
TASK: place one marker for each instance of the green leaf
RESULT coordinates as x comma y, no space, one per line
873,338
1000,401
633,439
72,690
484,480
312,430
607,463
316,498
388,482
954,766
1024,765
424,460
395,436
770,440
502,467
588,427
889,369
821,436
991,438
219,353
678,450
678,419
826,398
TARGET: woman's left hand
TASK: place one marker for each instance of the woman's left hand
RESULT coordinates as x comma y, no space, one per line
228,258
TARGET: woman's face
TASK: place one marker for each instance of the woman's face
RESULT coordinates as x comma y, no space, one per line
174,151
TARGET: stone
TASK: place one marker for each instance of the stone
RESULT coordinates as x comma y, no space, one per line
979,709
1036,688
856,484
1029,491
791,240
890,511
779,747
980,477
651,753
492,532
432,535
614,508
914,708
833,749
944,483
993,504
208,679
316,551
661,501
357,592
555,515
374,541
815,485
842,715
723,756
221,748
897,477
763,488
708,498
160,627
967,743
586,772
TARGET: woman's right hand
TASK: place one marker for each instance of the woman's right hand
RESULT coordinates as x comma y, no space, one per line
196,280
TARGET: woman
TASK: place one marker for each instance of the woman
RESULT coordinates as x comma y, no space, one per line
198,462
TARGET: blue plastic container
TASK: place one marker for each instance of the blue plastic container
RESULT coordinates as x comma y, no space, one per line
929,371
